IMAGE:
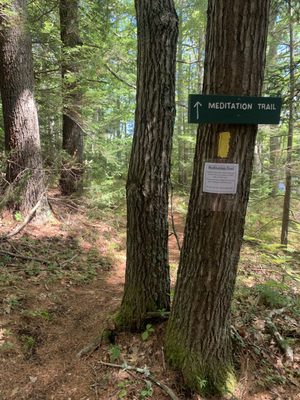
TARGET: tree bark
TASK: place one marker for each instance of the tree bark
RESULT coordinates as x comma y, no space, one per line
72,168
198,335
182,176
24,172
147,286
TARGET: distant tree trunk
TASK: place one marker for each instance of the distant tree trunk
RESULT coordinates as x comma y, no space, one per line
22,141
274,139
198,336
180,99
274,144
201,44
288,172
71,179
257,162
147,286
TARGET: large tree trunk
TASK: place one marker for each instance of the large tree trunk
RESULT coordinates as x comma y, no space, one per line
147,286
72,168
22,141
198,335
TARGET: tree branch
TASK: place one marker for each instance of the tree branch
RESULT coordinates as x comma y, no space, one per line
119,78
281,342
23,257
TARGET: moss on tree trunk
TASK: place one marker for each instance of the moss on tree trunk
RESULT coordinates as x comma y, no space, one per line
198,335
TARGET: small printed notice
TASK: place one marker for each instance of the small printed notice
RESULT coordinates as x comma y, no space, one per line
220,178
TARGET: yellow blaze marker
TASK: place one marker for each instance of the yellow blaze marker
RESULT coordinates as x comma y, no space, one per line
223,148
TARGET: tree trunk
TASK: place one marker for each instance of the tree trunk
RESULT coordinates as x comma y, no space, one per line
147,286
201,44
180,99
274,139
24,172
72,168
198,335
274,145
288,172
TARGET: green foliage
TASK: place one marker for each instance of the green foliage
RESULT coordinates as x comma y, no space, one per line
6,347
147,332
43,314
147,391
18,216
202,383
114,353
123,392
29,343
33,269
272,294
13,302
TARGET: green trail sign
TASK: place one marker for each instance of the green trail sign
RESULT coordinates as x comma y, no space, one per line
233,109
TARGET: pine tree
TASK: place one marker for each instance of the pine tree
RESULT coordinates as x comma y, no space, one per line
198,336
22,141
147,286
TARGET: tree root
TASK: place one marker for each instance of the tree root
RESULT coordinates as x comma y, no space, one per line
107,335
279,339
91,347
157,315
26,221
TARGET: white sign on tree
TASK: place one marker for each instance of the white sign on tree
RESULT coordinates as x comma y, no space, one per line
220,178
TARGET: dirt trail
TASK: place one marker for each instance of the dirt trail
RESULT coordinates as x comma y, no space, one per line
50,312
41,363
53,371
39,360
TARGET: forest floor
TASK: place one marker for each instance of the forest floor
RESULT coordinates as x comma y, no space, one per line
60,283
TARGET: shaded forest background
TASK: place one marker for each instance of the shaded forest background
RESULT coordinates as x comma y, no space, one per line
105,75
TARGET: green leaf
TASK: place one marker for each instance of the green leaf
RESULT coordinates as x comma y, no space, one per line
122,393
145,335
149,328
18,216
114,353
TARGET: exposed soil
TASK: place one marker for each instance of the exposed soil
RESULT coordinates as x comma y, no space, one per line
51,310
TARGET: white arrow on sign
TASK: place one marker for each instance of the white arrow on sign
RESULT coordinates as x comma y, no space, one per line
197,105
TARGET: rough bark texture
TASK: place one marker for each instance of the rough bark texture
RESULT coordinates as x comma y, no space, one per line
182,170
72,168
22,141
147,286
198,335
